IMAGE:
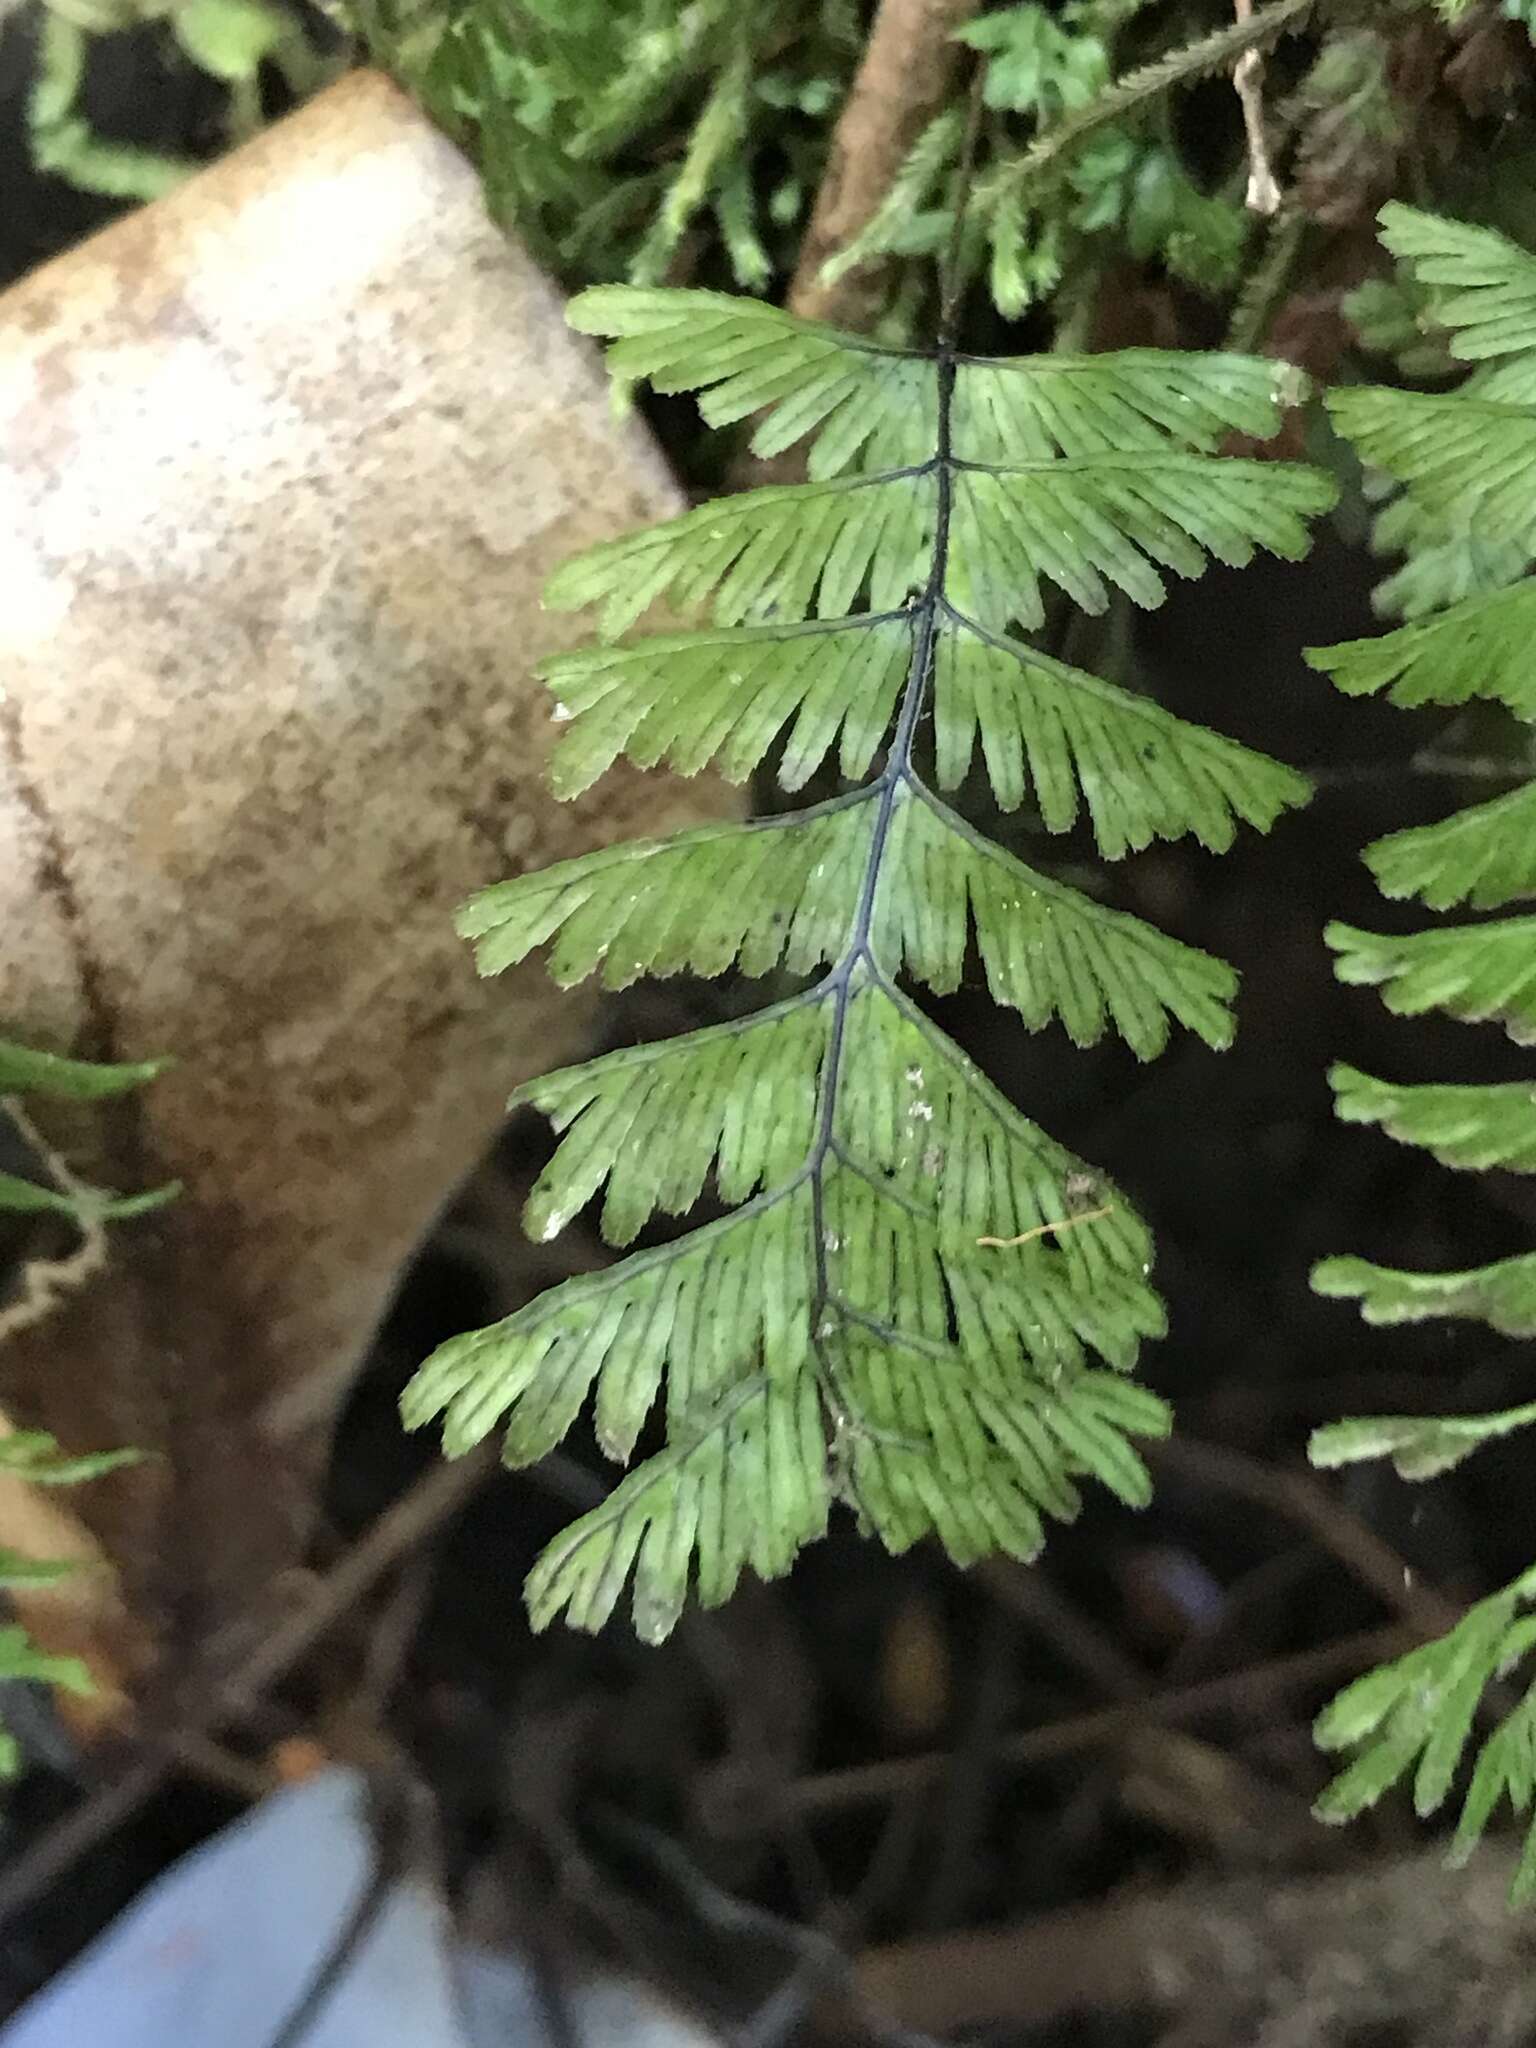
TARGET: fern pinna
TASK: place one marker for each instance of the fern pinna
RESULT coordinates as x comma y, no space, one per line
1465,462
903,1306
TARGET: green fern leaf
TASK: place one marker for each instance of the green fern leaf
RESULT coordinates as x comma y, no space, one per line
1418,1714
17,1570
21,1659
1502,1295
29,1198
1484,856
1446,563
726,696
1034,407
785,890
1063,735
1467,459
1474,1127
1112,522
1420,1446
858,402
744,1484
1471,460
1088,525
916,1302
1477,649
26,1071
746,359
1401,1713
1482,286
782,552
33,1455
1484,973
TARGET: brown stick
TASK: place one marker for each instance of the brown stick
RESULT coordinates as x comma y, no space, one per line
891,1777
1305,1504
441,1491
1248,82
901,83
1259,1961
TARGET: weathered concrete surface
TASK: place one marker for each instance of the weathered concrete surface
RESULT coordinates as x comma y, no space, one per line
286,460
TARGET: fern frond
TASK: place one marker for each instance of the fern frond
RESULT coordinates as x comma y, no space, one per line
1469,1127
1482,286
858,402
914,1294
1420,1446
741,1396
1445,564
747,1486
21,1660
739,1103
744,358
743,1485
783,552
735,1103
1097,523
1031,408
1418,1713
1061,734
1483,856
1047,951
724,697
1480,648
786,891
29,1198
1021,1454
1484,973
1502,1295
1467,459
33,1455
26,1071
753,896
1088,525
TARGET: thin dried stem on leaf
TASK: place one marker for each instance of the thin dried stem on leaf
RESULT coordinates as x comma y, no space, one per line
1263,194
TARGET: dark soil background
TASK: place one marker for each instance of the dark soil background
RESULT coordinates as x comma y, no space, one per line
843,1751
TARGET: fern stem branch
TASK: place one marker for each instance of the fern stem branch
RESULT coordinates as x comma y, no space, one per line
1147,82
858,956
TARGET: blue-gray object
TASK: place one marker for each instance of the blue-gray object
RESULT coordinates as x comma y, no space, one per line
217,1953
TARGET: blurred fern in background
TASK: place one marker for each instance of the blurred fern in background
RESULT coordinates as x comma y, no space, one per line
1462,469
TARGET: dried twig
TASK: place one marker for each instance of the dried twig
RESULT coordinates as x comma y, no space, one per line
1248,82
1301,1501
1398,1950
902,81
831,1791
45,1282
220,1695
1049,1229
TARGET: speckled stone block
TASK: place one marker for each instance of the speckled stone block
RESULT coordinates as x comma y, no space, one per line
286,460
